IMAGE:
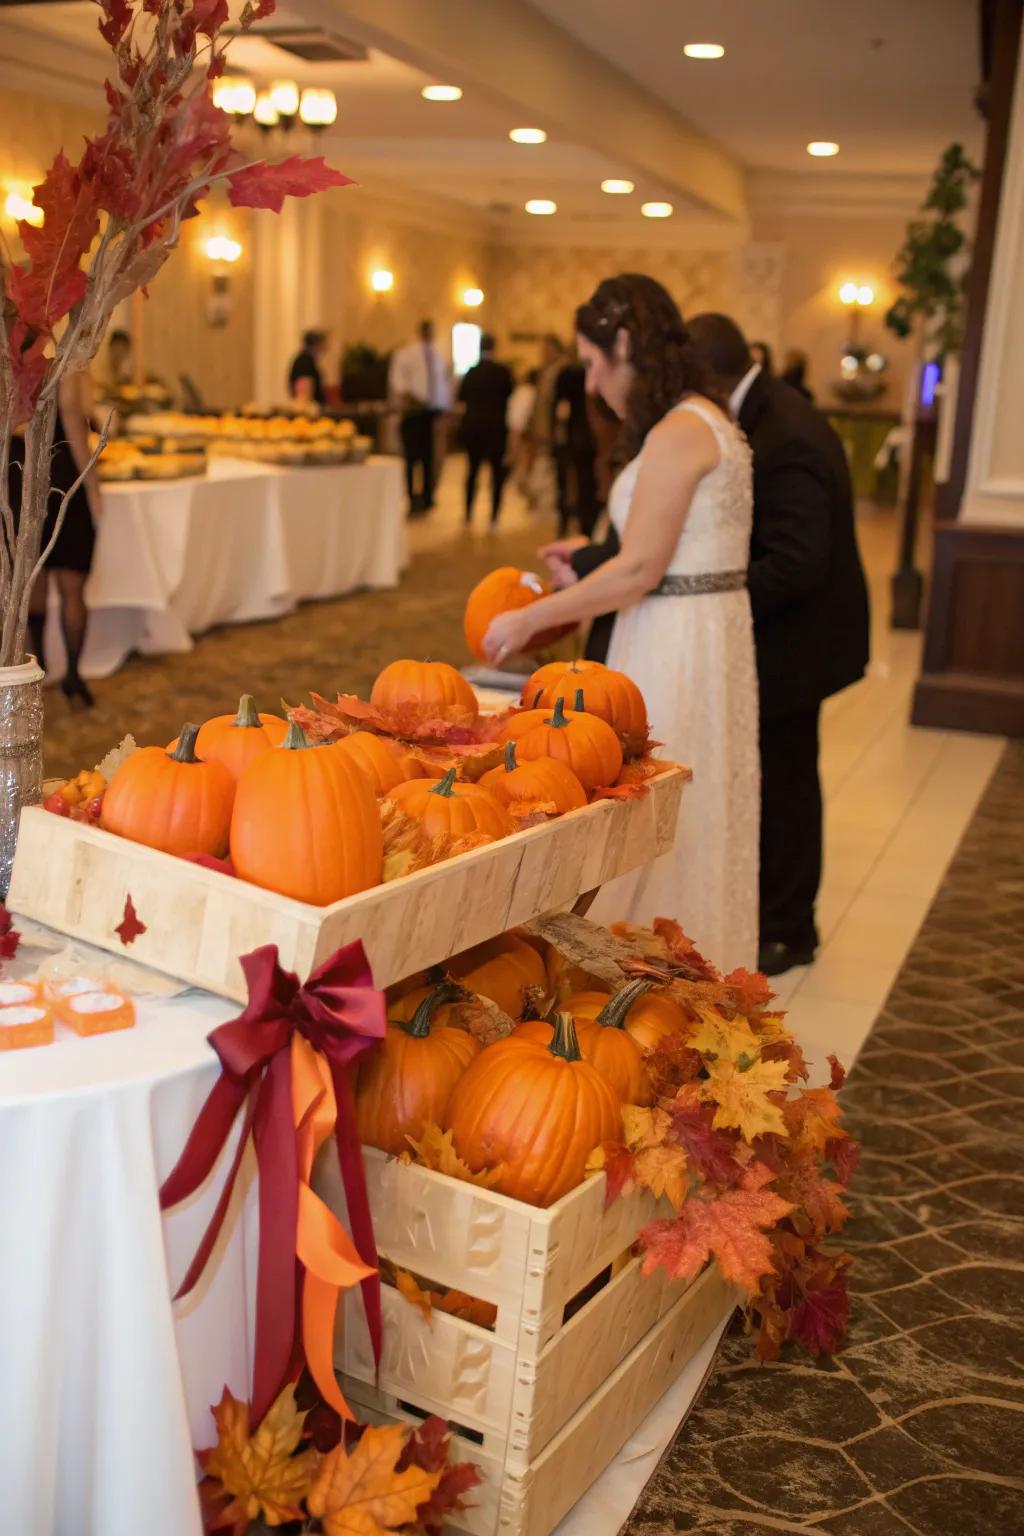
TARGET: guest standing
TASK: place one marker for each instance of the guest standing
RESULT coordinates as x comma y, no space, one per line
794,372
575,452
682,508
485,392
518,416
761,354
305,379
419,383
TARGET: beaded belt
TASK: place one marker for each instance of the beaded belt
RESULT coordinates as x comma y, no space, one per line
695,586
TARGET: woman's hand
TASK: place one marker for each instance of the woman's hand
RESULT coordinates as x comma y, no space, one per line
562,549
562,574
508,635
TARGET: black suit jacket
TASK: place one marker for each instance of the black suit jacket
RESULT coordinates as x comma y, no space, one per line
485,391
807,588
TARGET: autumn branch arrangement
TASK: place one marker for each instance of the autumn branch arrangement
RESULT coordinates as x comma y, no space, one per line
109,224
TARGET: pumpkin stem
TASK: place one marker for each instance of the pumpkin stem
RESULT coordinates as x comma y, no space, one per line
445,786
185,751
510,757
295,739
558,719
248,715
564,1042
418,1027
579,706
616,1009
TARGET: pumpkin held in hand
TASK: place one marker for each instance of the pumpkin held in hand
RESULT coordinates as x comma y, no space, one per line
544,781
610,695
446,807
535,1111
426,687
504,591
386,763
306,823
235,740
501,969
406,1082
646,1015
171,800
585,743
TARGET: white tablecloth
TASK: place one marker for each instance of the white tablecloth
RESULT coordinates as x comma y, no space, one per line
244,542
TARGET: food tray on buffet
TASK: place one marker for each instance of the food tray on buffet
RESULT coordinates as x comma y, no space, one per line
582,1343
77,878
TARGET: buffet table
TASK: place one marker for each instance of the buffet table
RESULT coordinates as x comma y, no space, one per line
244,542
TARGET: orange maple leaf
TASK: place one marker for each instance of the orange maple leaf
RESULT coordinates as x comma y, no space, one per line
412,1292
259,1474
729,1227
362,1493
812,1119
742,1094
659,1164
435,1150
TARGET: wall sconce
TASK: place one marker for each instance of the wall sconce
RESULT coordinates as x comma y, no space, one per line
318,109
284,96
18,206
473,297
265,113
234,95
861,294
382,281
223,252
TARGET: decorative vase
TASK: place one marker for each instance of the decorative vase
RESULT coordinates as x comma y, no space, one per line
21,753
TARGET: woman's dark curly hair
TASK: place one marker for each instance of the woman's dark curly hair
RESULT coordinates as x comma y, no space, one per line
667,366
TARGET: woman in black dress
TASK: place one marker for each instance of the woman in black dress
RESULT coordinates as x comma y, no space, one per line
70,559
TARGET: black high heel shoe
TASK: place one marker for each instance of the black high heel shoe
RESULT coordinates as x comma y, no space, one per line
77,693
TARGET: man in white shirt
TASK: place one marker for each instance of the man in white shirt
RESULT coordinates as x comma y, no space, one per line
419,383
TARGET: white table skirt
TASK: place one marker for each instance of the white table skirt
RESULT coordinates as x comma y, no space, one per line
244,542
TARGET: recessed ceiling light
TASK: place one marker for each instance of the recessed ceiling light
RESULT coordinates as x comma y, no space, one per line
703,50
822,148
656,210
617,186
442,93
527,135
541,205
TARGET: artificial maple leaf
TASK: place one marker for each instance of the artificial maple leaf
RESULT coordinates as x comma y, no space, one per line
616,1163
10,937
820,1316
434,1150
710,1153
658,1164
119,15
844,1155
472,1309
750,990
260,1474
819,1208
812,1119
672,1065
789,1052
683,949
730,1227
130,926
429,1447
716,1036
364,1493
838,1071
742,1096
267,186
413,1293
633,790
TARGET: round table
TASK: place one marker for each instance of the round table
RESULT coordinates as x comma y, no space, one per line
106,1384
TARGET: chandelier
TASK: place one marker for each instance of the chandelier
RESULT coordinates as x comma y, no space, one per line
277,106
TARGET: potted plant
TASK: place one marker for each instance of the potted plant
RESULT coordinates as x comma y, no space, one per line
109,223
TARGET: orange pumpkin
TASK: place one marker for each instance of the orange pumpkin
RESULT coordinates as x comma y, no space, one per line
424,686
306,823
502,969
534,1111
385,762
406,1082
611,695
585,743
446,806
646,1015
171,800
235,740
544,781
610,1050
518,725
504,591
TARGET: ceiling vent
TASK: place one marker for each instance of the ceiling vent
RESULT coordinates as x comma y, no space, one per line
313,46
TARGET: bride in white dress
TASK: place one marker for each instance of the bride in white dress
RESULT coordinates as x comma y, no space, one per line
683,631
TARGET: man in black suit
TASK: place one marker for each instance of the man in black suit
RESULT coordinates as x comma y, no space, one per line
810,606
485,392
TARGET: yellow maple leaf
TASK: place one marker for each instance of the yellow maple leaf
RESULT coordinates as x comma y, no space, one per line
715,1035
658,1164
436,1151
413,1293
259,1472
771,1029
362,1494
742,1098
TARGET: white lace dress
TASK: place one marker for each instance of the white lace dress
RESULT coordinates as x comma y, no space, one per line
693,658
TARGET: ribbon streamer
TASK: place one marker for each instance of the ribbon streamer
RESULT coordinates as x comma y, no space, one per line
286,1059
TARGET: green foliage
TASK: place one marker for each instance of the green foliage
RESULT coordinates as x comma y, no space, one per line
932,265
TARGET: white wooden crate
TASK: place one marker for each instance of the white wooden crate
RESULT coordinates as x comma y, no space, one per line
76,878
517,1390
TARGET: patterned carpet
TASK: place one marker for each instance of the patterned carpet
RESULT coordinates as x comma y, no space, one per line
918,1425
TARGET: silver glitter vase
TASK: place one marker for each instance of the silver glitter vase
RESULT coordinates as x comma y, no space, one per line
21,753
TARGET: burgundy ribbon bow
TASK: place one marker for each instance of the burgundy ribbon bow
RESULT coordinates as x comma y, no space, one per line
341,1014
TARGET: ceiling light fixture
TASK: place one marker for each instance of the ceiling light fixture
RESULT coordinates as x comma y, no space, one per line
264,113
617,186
657,210
318,108
528,135
822,149
473,297
441,93
703,50
382,281
234,95
541,205
285,97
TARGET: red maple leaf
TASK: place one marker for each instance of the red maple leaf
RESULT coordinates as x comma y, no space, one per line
712,1153
208,861
10,938
838,1077
844,1155
750,990
428,1447
29,364
819,1319
129,928
682,949
70,222
209,16
118,15
618,1170
42,297
267,186
730,1227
